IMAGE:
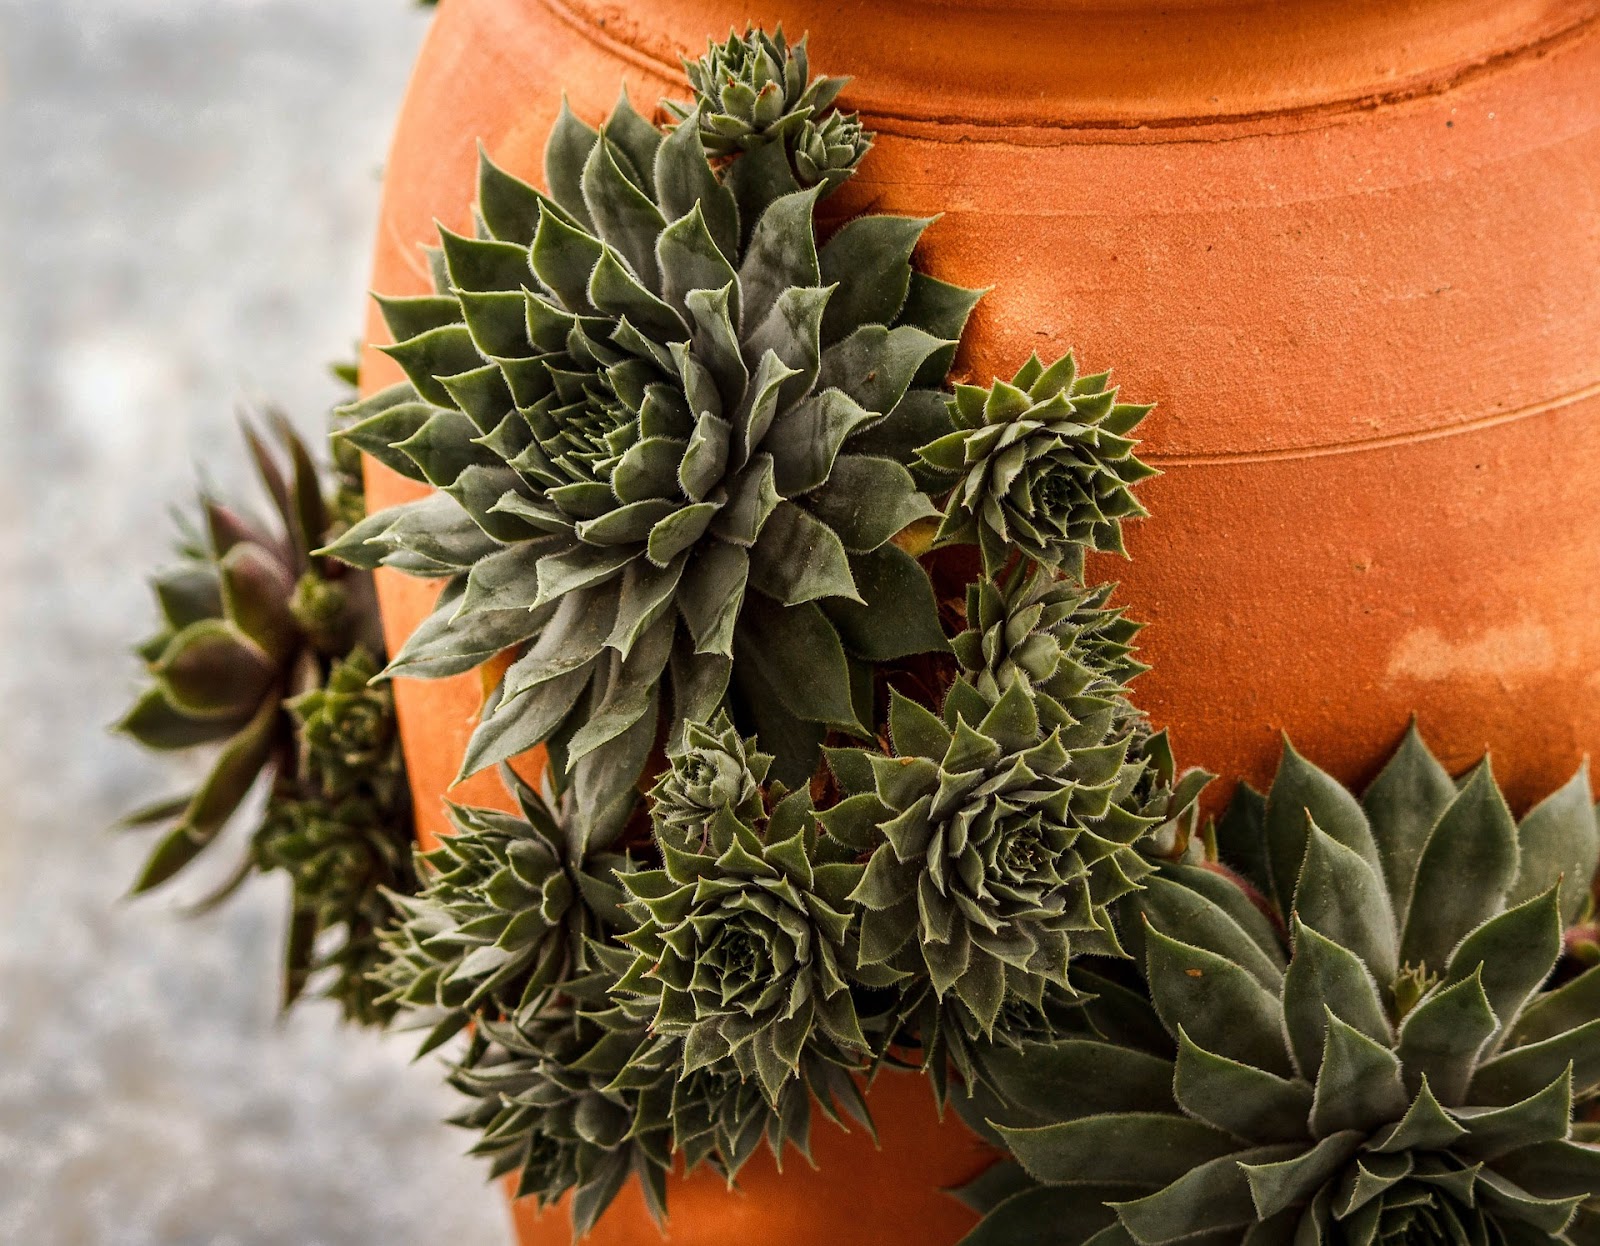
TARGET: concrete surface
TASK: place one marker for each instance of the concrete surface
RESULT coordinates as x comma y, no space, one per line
187,191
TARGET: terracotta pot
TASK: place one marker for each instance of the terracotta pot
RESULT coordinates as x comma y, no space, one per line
876,1195
1349,246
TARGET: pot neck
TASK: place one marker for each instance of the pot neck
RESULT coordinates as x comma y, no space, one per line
1099,64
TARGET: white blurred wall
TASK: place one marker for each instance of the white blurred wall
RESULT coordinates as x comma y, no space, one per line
187,193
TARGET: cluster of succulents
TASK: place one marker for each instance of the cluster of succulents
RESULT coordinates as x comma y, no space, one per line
264,658
756,89
1353,1028
839,769
672,436
690,463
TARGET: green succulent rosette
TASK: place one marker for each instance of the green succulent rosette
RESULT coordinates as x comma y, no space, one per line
1056,638
1353,1039
741,948
348,736
1042,465
501,923
671,435
755,90
262,655
545,1107
715,771
996,847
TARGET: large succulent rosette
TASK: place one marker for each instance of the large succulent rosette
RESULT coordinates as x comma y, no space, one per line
738,972
671,435
741,948
1356,1042
995,848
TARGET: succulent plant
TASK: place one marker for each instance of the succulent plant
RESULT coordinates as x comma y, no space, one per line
263,654
544,1107
1057,638
719,1118
1383,1060
501,921
740,949
672,437
1041,464
996,846
347,731
715,770
341,833
755,90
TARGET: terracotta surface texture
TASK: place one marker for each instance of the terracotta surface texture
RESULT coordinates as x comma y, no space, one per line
883,1194
1351,250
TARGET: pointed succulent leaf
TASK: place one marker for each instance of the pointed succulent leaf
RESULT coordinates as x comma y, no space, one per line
1219,1004
1340,895
1358,1085
1238,1098
1403,804
1559,841
1465,874
1301,794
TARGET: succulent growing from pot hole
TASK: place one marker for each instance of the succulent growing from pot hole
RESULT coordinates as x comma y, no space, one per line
546,1108
1386,1064
715,769
1041,464
672,437
251,620
755,90
997,845
501,922
740,947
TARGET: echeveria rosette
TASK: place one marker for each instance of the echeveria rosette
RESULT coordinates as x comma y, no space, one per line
1041,465
347,731
1387,1065
233,644
740,951
546,1107
507,905
714,770
672,437
754,91
996,847
1057,638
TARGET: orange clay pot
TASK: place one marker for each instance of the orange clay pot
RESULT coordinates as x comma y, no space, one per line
1351,248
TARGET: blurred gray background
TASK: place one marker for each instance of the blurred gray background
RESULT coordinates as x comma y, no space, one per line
187,193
